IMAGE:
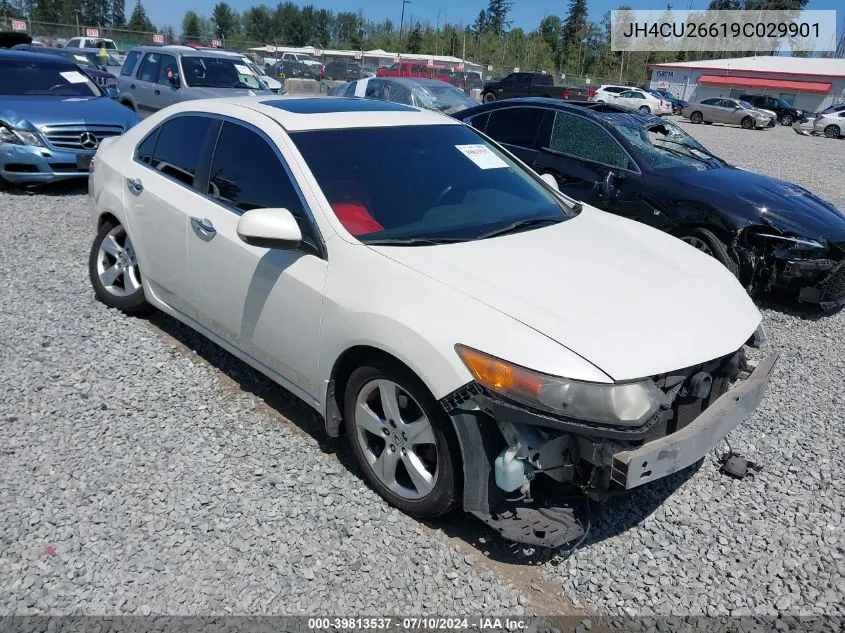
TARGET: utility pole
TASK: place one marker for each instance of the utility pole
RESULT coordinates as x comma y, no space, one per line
402,20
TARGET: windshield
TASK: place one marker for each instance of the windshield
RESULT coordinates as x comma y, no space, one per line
255,69
218,72
107,44
419,183
40,78
665,145
445,98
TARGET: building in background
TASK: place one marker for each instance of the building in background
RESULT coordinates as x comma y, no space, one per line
808,83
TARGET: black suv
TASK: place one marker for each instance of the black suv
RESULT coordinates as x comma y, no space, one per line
345,71
521,85
769,233
787,115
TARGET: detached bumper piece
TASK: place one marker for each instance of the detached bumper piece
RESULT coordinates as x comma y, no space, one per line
683,448
828,291
543,524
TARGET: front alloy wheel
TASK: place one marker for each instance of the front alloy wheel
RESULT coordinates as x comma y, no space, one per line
114,271
709,244
786,120
402,439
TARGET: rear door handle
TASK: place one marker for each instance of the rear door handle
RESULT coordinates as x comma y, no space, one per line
203,224
157,91
135,185
132,86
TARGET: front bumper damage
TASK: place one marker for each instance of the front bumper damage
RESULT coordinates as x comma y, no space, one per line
566,461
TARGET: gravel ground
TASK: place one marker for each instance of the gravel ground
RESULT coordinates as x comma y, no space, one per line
146,471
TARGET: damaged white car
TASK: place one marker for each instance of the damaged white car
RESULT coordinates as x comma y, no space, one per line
473,331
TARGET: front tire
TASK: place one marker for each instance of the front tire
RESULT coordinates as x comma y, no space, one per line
114,270
696,117
488,97
786,120
709,244
747,123
832,131
402,439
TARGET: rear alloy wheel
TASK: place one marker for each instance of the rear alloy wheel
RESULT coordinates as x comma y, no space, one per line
696,117
709,244
488,97
832,131
786,120
114,271
747,123
645,109
403,440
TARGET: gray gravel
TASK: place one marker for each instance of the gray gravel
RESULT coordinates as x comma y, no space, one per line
772,544
137,479
143,476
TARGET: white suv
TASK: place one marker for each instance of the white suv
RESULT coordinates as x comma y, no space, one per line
97,42
608,92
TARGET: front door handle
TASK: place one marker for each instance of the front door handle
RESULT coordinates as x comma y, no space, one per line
132,86
135,185
204,225
157,91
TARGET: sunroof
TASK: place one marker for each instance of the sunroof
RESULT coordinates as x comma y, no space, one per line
326,105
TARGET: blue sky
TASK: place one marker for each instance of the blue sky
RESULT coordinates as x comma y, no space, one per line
525,13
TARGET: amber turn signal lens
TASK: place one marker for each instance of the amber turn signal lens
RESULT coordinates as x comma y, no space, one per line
497,374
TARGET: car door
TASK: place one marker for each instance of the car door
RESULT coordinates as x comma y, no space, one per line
165,92
627,99
265,302
160,191
516,128
709,110
145,83
580,154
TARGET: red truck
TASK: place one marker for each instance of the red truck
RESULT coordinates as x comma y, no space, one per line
416,69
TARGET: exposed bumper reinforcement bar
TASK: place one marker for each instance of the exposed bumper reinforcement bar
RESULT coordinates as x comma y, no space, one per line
675,452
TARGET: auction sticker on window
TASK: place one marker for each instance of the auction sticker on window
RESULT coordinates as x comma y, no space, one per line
243,70
74,77
482,156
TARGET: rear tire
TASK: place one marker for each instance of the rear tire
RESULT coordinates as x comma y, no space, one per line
488,97
404,442
709,244
747,123
645,109
696,117
832,131
114,271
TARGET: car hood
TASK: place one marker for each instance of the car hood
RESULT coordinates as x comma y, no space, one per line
763,200
631,300
44,110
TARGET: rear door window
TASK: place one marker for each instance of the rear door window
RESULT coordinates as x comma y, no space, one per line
576,136
515,126
150,67
176,152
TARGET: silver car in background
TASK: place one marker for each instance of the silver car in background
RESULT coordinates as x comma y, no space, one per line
729,111
430,94
831,122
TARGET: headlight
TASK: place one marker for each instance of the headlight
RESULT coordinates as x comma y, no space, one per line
796,243
622,404
14,136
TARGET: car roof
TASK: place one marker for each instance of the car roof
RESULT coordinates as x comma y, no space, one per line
592,109
185,51
9,55
298,113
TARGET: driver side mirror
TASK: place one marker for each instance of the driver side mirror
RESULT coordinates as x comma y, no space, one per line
269,228
607,187
111,92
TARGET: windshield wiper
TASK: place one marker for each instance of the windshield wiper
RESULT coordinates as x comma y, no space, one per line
520,224
414,241
691,147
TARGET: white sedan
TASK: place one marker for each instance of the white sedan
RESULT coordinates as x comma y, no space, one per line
641,100
472,330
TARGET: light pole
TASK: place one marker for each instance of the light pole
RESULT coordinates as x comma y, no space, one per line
402,21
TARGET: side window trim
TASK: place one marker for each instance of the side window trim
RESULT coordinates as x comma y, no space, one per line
631,160
316,238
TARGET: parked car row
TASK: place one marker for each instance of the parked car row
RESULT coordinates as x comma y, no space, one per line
513,348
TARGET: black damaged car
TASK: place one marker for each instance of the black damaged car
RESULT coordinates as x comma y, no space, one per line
772,234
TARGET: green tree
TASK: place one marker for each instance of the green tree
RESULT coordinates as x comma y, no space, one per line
575,28
191,25
139,21
47,11
480,23
415,40
497,16
258,23
323,25
118,13
224,20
